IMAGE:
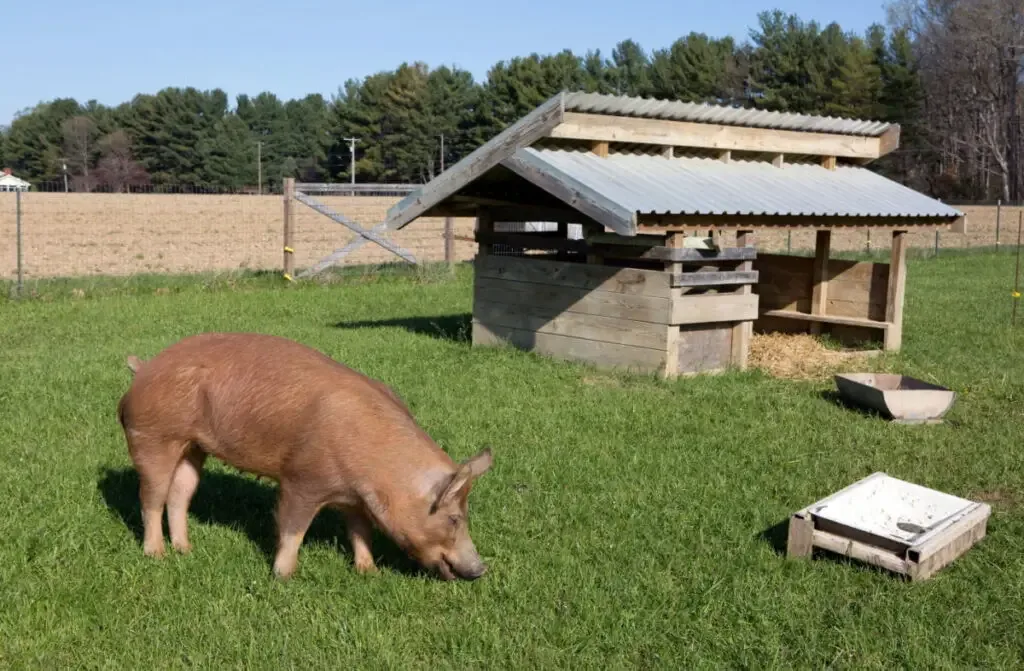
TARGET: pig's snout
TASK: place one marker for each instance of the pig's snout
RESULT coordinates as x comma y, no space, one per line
468,569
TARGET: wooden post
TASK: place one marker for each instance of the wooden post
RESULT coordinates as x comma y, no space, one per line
779,160
484,224
673,241
743,331
819,291
289,226
449,242
828,162
725,156
800,537
600,148
897,286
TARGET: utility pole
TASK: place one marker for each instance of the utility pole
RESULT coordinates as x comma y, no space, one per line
352,148
442,152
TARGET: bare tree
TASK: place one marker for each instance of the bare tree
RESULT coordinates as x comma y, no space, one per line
117,169
79,147
970,62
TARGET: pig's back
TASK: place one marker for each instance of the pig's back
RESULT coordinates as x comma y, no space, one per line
263,403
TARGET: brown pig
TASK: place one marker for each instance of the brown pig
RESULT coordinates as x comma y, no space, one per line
329,435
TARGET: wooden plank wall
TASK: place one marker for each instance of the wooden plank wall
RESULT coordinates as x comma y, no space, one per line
855,289
608,316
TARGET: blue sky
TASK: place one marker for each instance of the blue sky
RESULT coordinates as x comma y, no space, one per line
113,49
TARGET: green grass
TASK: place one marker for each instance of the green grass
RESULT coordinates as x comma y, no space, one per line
628,522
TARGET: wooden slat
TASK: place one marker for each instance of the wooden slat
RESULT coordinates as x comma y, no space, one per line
571,299
945,547
714,308
570,190
602,354
859,551
897,287
600,148
712,279
584,276
524,132
705,348
573,324
632,130
825,319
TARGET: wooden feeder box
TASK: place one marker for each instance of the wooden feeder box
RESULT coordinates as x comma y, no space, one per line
902,399
896,525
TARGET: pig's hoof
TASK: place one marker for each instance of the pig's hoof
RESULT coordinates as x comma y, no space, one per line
283,573
154,552
183,547
366,567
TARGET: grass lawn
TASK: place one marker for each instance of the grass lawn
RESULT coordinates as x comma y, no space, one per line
627,522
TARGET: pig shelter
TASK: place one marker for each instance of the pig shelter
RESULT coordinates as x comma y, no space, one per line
651,184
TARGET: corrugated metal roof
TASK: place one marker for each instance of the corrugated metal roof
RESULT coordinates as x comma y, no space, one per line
674,110
647,184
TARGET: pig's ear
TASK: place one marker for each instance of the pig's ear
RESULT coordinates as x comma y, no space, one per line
480,464
456,482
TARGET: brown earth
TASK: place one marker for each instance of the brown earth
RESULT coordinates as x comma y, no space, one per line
89,234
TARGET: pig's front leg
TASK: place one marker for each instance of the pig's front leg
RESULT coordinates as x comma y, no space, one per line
360,535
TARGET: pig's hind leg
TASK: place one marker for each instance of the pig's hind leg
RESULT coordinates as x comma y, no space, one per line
155,462
183,486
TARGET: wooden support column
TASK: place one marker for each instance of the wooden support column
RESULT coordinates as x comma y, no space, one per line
897,287
828,162
449,242
484,224
819,288
669,152
289,226
600,148
673,241
725,156
743,331
779,160
563,234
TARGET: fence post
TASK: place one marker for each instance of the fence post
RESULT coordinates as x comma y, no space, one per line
936,242
999,212
17,233
289,227
449,241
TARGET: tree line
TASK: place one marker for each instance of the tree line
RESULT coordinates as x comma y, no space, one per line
946,70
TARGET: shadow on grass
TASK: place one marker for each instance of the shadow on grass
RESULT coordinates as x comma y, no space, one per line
246,505
446,327
776,536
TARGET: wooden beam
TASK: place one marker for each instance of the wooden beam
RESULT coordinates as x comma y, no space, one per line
742,332
890,140
484,227
819,279
825,319
829,162
604,128
522,133
289,225
715,279
600,148
339,218
674,243
571,191
897,287
654,224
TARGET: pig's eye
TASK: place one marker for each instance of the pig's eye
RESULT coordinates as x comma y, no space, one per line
453,520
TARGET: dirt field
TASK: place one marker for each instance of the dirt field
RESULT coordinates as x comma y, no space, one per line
90,234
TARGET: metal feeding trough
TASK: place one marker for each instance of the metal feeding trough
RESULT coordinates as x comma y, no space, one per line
901,398
890,523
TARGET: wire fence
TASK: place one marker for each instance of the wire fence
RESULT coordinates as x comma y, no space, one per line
180,230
